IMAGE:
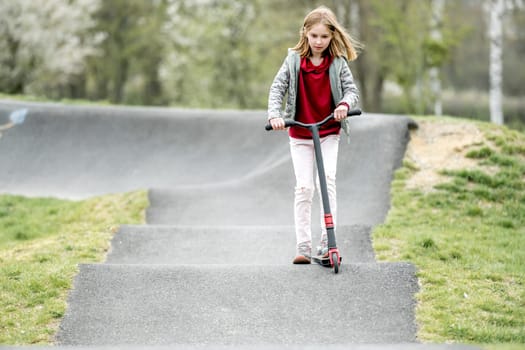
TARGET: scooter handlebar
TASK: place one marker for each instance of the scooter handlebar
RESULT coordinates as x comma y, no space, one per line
291,122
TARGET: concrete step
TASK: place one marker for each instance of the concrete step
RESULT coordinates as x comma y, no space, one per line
249,245
222,205
240,305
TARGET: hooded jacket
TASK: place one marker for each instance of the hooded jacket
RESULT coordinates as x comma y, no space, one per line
285,82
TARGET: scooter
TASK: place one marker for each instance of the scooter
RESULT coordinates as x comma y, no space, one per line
334,258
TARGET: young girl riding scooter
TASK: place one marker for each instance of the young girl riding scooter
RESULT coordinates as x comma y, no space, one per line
316,77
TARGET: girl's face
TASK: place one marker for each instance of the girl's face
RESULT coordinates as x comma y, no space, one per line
319,37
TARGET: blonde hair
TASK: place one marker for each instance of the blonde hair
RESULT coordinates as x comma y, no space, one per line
342,44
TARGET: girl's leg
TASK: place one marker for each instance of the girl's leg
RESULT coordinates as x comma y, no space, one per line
330,149
302,153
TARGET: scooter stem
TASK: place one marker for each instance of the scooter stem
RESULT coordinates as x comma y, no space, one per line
328,218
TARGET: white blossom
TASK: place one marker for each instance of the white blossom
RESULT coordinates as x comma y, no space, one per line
42,40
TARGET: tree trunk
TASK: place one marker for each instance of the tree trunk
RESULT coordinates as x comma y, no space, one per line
119,81
16,84
357,20
435,79
497,9
377,93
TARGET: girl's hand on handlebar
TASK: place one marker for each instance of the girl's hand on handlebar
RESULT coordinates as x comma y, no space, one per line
340,112
277,123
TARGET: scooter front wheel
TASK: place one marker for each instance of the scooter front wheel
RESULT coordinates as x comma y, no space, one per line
335,260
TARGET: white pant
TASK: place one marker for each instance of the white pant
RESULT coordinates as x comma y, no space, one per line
303,158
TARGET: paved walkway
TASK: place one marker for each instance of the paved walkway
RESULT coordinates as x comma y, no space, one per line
212,267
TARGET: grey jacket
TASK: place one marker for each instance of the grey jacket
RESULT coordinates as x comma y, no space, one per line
286,79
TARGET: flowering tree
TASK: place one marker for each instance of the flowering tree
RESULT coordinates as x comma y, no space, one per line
43,42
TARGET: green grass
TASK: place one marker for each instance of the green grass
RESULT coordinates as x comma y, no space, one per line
467,240
42,241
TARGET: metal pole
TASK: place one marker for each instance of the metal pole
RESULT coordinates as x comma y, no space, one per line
328,219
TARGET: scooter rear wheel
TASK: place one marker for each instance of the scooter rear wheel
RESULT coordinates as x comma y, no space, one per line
335,259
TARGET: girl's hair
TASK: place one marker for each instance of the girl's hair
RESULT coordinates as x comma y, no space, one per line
342,44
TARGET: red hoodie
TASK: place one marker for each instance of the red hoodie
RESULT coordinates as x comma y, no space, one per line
314,99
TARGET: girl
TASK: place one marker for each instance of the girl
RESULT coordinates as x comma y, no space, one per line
318,81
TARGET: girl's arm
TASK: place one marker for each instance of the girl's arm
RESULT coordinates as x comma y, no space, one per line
278,91
350,91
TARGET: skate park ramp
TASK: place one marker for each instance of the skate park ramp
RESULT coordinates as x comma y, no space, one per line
212,266
191,155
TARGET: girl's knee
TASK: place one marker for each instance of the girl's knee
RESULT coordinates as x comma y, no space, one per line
306,191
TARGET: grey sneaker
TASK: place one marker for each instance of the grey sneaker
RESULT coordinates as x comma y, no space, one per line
322,250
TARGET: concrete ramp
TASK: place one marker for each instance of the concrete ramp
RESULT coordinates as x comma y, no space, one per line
212,268
78,152
212,159
265,196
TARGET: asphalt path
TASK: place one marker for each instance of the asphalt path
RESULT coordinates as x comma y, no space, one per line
212,267
223,161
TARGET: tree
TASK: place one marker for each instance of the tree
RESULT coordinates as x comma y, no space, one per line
224,53
43,44
515,43
497,9
436,37
231,78
401,30
132,49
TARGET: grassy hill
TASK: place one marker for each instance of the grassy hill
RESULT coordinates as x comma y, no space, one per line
463,225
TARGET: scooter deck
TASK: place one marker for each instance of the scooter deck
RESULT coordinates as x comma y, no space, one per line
323,261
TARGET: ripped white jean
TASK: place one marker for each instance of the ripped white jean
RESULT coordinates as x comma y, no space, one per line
304,163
